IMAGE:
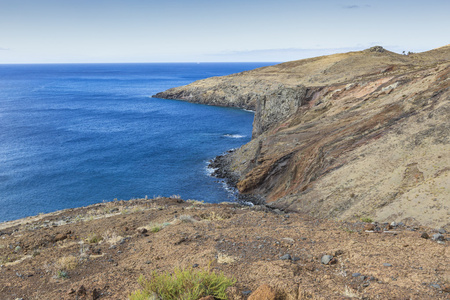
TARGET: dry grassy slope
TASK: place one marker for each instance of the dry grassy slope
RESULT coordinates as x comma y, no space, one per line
339,68
347,135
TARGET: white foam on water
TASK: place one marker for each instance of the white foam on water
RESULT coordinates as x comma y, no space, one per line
210,171
234,136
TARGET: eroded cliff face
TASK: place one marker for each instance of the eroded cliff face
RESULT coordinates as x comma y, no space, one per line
272,101
361,134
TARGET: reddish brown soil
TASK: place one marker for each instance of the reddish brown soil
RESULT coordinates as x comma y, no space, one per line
245,243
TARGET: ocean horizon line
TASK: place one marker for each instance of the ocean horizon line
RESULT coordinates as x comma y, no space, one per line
139,63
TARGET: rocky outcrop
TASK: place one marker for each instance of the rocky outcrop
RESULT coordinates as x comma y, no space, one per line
222,93
272,101
347,135
272,108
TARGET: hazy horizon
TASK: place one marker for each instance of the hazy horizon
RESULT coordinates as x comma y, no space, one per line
148,31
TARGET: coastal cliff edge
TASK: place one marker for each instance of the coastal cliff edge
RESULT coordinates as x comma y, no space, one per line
351,135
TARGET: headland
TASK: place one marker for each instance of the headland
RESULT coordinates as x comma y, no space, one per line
349,169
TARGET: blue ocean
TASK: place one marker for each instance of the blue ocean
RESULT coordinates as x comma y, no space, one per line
77,134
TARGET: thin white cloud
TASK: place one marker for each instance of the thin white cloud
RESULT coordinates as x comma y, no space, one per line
355,6
4,49
291,50
289,54
278,55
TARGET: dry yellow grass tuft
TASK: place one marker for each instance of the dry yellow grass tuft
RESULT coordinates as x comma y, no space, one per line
67,263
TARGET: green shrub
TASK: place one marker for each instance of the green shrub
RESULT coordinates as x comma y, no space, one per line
185,284
367,220
62,274
155,228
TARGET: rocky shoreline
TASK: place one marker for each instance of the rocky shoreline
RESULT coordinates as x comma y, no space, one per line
221,165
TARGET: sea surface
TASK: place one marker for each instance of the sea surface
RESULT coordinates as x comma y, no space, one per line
77,134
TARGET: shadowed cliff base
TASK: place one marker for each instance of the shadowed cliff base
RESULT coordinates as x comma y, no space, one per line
221,169
343,136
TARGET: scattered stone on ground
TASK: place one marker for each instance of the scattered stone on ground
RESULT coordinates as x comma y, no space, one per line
243,242
326,259
425,235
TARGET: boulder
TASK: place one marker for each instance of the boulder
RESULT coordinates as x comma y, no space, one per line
263,292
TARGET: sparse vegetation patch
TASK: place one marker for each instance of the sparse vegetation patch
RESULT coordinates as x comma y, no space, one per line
183,284
367,220
94,238
155,228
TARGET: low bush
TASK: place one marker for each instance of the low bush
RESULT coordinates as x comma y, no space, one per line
187,219
155,228
94,238
61,274
186,284
67,263
367,220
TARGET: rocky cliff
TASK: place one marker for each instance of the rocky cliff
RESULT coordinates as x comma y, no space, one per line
359,134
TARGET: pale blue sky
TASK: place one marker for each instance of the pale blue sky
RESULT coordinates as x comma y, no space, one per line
76,31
